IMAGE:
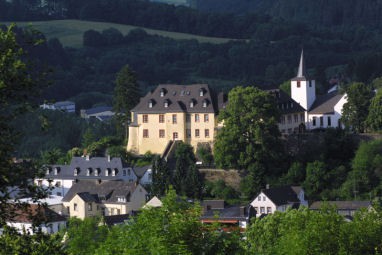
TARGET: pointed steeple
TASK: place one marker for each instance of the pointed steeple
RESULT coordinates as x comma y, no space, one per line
301,68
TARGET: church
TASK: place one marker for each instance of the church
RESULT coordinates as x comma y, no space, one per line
304,110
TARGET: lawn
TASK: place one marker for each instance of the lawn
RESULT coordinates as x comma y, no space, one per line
70,32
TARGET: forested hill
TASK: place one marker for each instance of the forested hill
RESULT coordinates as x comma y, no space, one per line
327,13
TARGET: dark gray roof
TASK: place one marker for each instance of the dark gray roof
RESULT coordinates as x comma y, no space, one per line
228,213
110,190
324,104
85,196
141,170
179,98
98,109
213,204
285,103
281,195
341,205
82,164
116,219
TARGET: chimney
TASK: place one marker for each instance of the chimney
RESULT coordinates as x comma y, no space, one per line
87,157
267,186
242,211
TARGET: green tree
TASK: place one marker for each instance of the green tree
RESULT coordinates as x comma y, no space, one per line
300,231
355,111
374,118
174,228
366,171
186,179
18,86
250,138
161,177
285,86
316,179
126,96
204,153
84,236
12,242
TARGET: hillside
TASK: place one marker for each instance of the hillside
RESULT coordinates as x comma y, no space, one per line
335,13
70,32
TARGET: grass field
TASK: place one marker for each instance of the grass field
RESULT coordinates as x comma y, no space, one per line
70,32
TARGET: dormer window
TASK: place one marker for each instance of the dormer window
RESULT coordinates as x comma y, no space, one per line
88,172
201,92
151,103
47,170
205,103
124,172
192,103
56,170
162,92
166,103
76,171
121,199
97,172
107,172
114,172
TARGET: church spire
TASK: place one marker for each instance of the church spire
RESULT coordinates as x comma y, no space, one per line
301,67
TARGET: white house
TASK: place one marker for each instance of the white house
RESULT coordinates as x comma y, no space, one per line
101,113
65,106
52,221
322,111
278,199
61,177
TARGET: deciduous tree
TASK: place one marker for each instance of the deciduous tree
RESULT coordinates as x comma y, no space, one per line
249,139
355,111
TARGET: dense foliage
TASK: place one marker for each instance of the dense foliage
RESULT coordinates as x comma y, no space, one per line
250,138
315,232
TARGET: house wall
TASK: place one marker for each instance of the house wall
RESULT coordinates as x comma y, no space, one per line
186,131
264,203
146,178
59,186
290,123
82,210
116,209
137,199
50,228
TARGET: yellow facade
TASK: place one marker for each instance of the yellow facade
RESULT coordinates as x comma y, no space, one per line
154,131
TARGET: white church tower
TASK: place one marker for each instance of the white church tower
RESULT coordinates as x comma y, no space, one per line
303,90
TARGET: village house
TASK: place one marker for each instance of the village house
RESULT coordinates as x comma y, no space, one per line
230,217
87,198
344,208
52,222
60,178
102,113
280,199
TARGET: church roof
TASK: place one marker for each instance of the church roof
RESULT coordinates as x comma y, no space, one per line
324,104
301,73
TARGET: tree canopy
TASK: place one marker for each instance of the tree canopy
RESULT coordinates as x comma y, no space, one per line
249,139
355,111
